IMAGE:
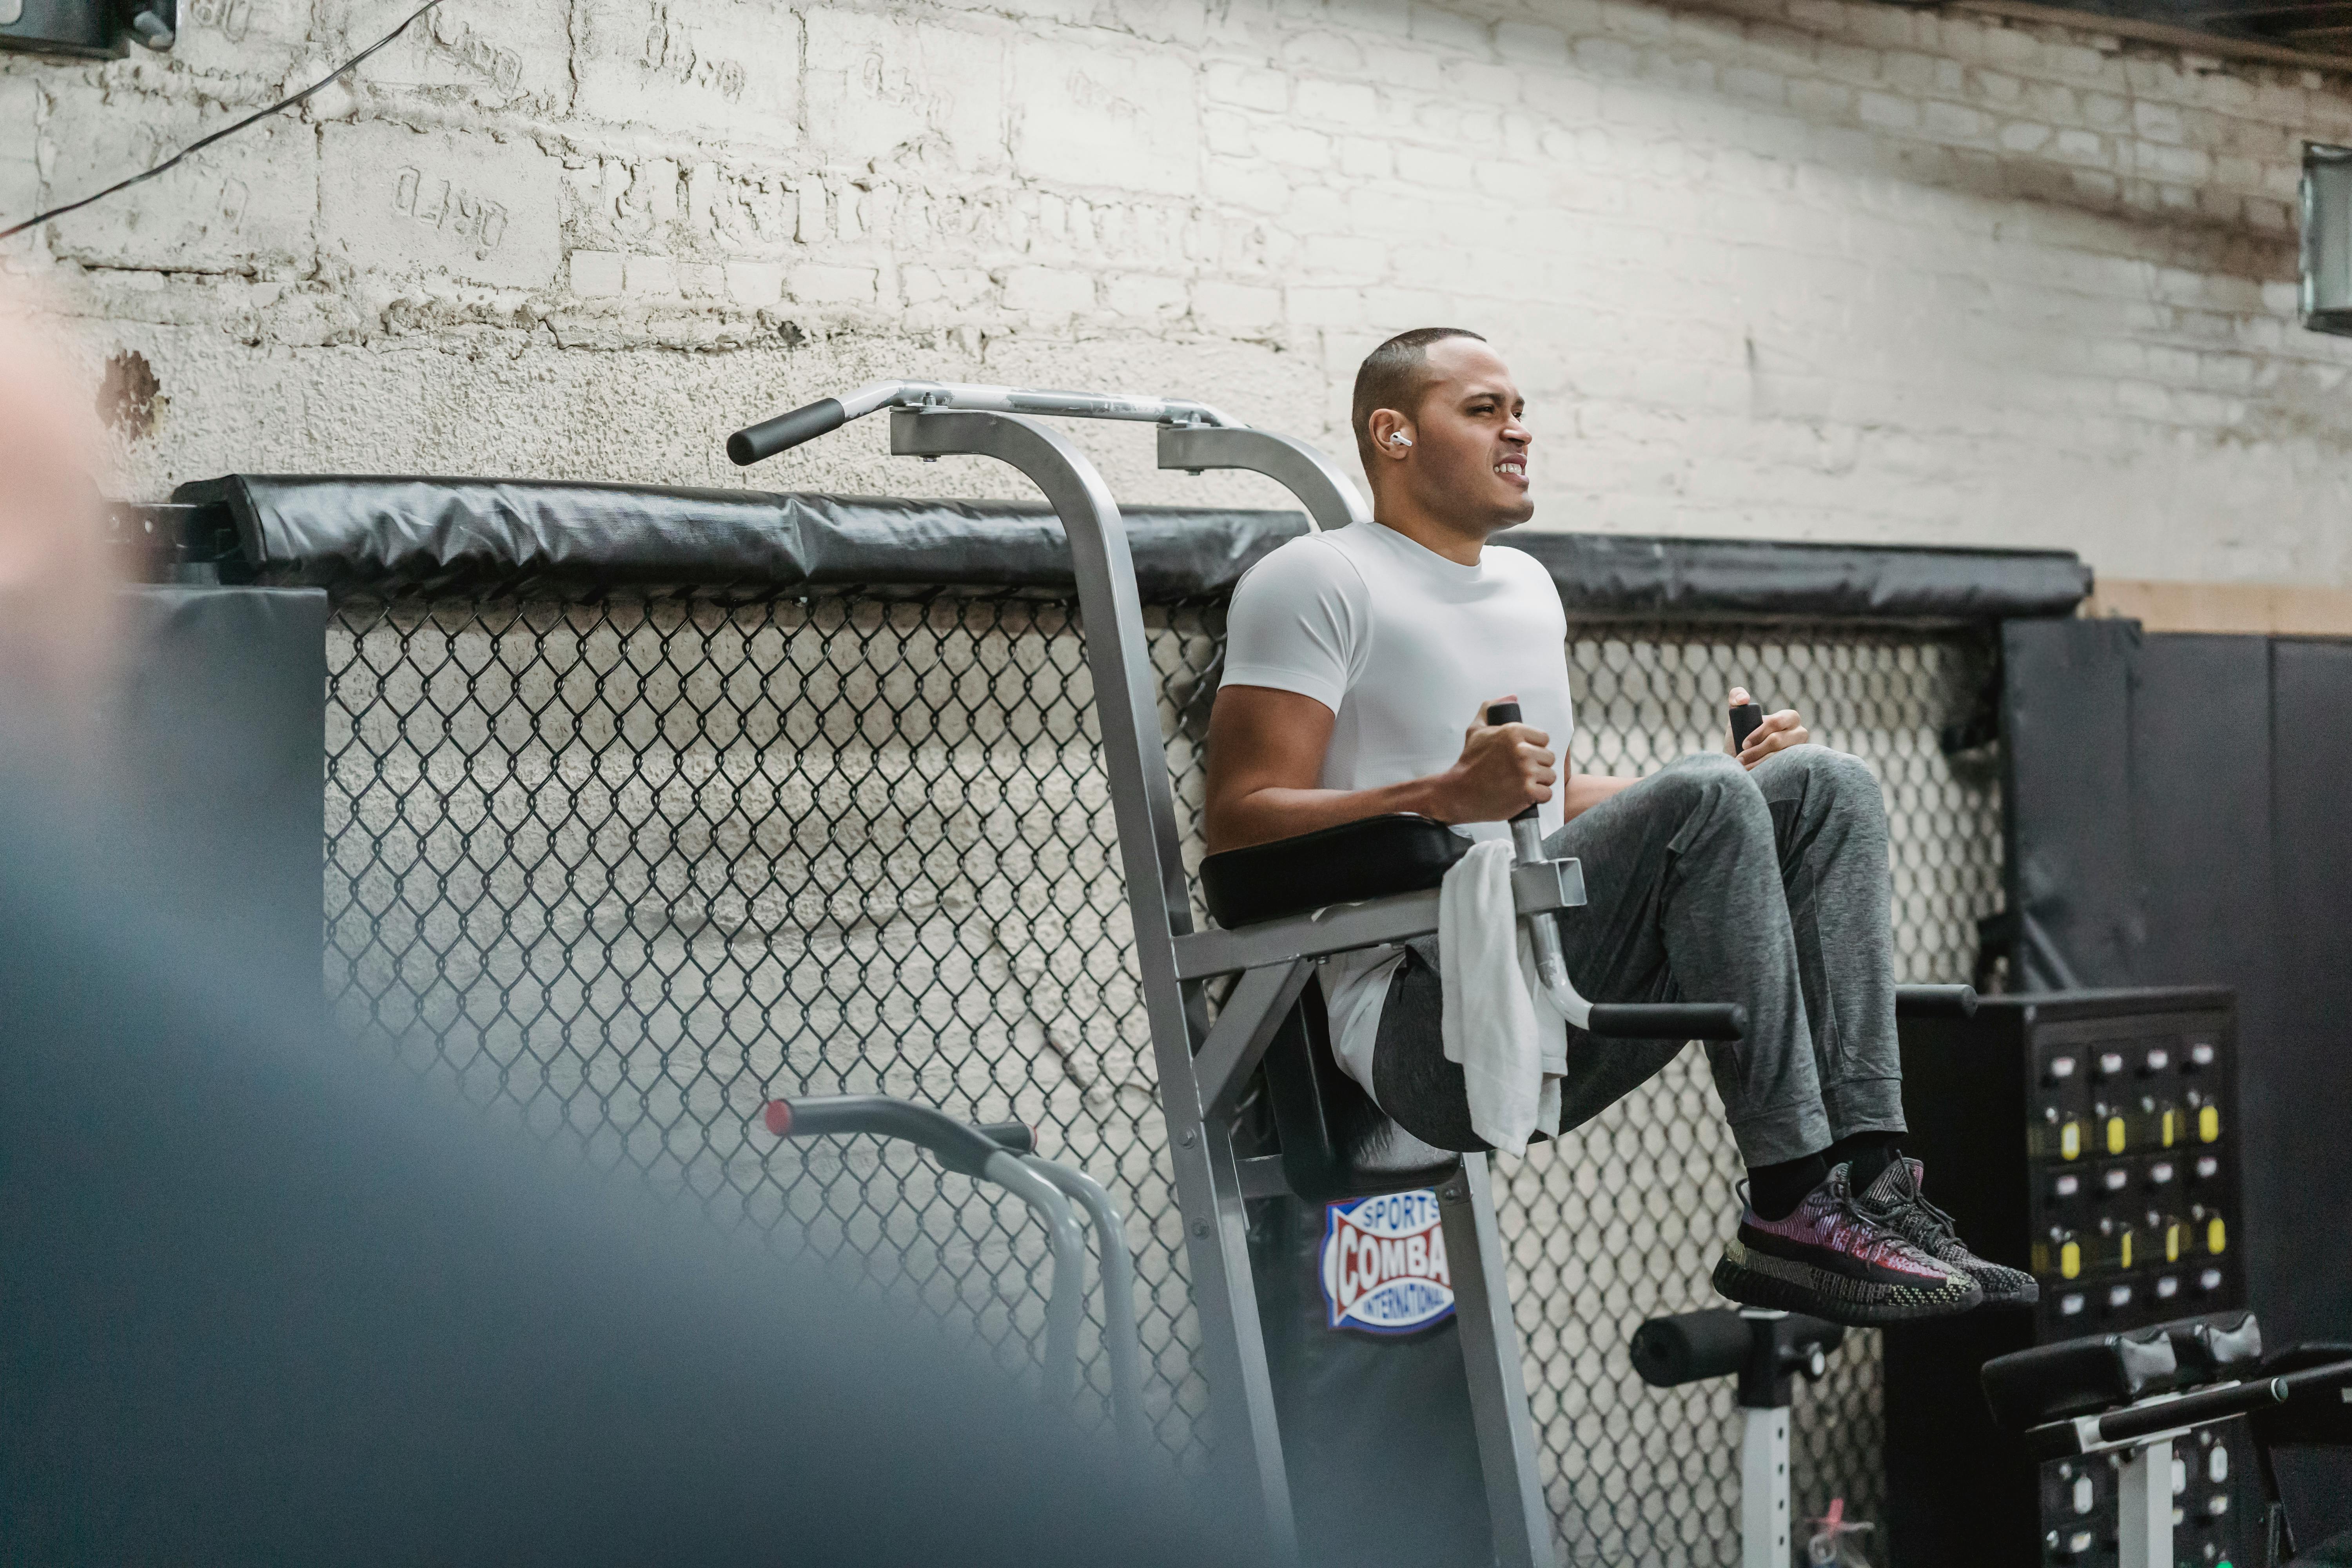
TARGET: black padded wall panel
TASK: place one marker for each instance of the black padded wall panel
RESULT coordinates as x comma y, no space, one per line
2200,783
220,725
2305,1170
2073,886
2175,813
2205,850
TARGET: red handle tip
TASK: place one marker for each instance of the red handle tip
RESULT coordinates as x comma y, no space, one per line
779,1117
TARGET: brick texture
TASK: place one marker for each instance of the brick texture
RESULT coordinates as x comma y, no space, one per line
1804,269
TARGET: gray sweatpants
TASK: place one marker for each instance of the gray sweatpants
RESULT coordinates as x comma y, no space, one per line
1706,882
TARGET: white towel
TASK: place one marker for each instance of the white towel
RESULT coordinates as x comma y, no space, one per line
1499,1024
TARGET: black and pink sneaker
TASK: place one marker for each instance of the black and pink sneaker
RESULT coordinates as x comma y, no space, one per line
1828,1259
1895,1202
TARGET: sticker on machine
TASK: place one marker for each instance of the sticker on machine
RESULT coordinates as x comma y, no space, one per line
1384,1264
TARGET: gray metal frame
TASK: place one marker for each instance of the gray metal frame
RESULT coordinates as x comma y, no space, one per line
1058,1376
1120,1340
1202,1066
1764,1486
1054,1193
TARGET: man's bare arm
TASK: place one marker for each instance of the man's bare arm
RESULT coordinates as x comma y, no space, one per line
1265,752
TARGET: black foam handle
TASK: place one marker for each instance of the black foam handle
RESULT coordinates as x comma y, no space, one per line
1934,1001
1669,1020
786,431
1690,1346
2188,1410
1508,713
958,1145
1745,717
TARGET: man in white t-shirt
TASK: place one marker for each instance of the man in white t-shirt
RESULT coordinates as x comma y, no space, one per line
1356,660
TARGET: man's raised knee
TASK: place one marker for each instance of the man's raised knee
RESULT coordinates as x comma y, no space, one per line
1842,773
1714,781
1712,771
1716,767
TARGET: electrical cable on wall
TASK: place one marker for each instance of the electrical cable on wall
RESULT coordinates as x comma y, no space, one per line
203,142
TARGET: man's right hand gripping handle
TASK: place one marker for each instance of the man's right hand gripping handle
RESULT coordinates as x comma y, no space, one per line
1629,1020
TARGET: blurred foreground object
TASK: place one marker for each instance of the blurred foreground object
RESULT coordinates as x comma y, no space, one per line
57,583
266,1300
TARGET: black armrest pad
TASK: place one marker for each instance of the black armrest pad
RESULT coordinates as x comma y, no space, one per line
2216,1348
2076,1377
1379,856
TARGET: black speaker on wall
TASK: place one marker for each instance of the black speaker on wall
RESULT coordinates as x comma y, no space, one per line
98,29
2326,283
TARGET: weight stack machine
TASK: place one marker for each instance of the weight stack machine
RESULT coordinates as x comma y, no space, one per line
2089,1136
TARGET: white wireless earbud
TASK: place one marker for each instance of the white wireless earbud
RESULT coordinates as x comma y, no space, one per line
1396,441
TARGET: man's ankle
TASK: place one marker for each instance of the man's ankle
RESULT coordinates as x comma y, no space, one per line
1869,1154
1774,1191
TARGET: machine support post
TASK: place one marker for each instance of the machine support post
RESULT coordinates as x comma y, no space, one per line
1247,1445
1490,1355
1473,1248
1764,1487
2145,1504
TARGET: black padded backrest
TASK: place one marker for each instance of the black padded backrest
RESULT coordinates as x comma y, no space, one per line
1372,858
2076,1377
1336,1142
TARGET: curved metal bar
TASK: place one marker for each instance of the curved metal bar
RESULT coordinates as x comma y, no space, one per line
1027,400
1060,1378
1330,497
1120,1339
1143,805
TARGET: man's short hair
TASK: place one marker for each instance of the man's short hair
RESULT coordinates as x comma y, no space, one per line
1394,376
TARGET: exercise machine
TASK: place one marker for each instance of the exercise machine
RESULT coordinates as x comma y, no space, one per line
2143,1395
1006,1154
1222,1003
1280,907
2314,1421
2094,1138
1767,1352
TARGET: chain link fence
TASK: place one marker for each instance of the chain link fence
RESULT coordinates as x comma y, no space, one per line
619,871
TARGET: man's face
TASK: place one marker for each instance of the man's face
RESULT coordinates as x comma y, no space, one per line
1468,461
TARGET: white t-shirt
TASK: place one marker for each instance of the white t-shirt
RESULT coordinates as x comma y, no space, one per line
1402,645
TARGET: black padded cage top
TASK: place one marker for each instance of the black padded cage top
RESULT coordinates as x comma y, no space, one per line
546,539
646,806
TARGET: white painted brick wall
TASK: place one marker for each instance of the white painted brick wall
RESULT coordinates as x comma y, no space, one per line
1805,268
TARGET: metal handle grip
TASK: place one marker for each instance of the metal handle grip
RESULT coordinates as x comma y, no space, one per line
786,431
2057,1439
1934,1001
960,1147
2209,1404
1669,1020
1508,713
